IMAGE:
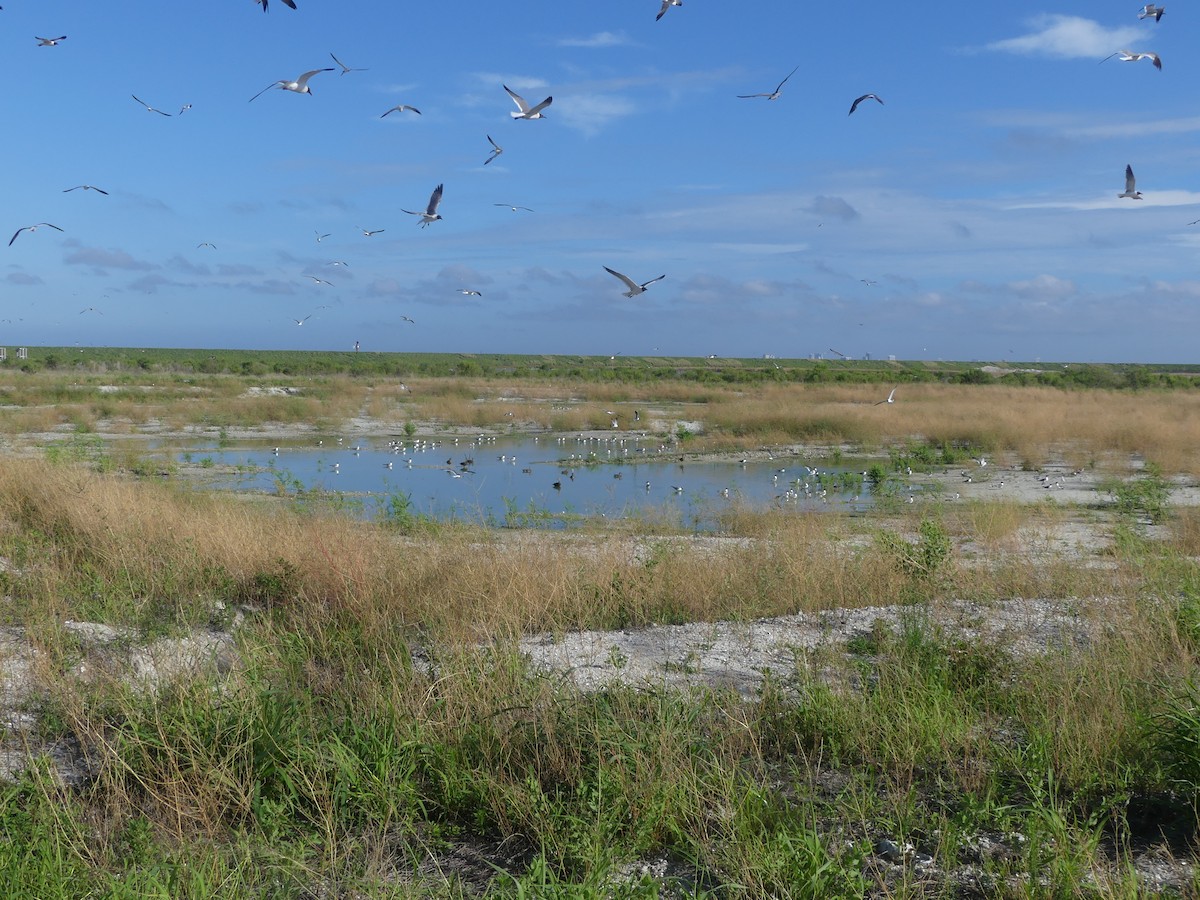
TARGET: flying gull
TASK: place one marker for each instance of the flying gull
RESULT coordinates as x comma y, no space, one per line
1152,11
496,150
86,187
667,4
774,95
891,398
317,280
634,287
1127,56
302,321
527,112
431,214
320,237
206,244
1130,185
854,105
469,293
299,86
367,233
513,208
345,68
49,42
401,108
31,228
149,108
290,3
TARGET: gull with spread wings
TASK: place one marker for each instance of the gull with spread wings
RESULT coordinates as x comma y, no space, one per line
526,111
431,214
774,95
299,86
634,287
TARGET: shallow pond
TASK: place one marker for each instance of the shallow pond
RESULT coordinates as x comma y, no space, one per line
527,480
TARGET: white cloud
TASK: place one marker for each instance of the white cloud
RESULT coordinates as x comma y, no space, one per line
599,39
1071,37
589,113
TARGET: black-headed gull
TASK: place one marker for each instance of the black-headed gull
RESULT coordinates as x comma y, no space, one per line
634,287
49,42
431,214
149,108
299,86
345,68
401,108
86,187
496,150
1150,11
667,4
32,228
854,105
1128,56
1130,185
526,111
774,95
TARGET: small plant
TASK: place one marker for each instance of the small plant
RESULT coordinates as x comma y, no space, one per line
1145,497
920,560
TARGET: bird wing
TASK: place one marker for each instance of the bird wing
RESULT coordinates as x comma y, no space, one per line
854,106
1130,181
303,79
345,68
537,109
434,199
48,225
14,237
748,96
782,83
646,284
629,282
499,149
291,3
662,12
517,99
264,90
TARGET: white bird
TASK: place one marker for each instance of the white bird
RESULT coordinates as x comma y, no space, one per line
317,280
86,187
634,287
369,233
338,262
431,214
513,208
1127,56
774,95
149,108
401,108
496,150
49,42
32,228
526,111
1130,185
891,398
345,68
320,237
302,321
469,293
667,4
1152,11
299,86
854,105
184,109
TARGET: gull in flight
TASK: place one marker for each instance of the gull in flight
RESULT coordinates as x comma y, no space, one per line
496,150
150,108
634,287
774,95
86,187
667,4
854,105
526,111
338,262
299,86
320,237
345,68
401,108
366,232
1130,185
1151,11
891,398
49,42
513,208
302,321
184,108
868,281
206,244
290,3
1127,56
91,309
317,280
408,320
32,228
469,293
431,214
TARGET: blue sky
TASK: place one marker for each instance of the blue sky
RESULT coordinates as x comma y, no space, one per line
979,201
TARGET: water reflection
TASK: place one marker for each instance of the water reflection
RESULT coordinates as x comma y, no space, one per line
521,480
